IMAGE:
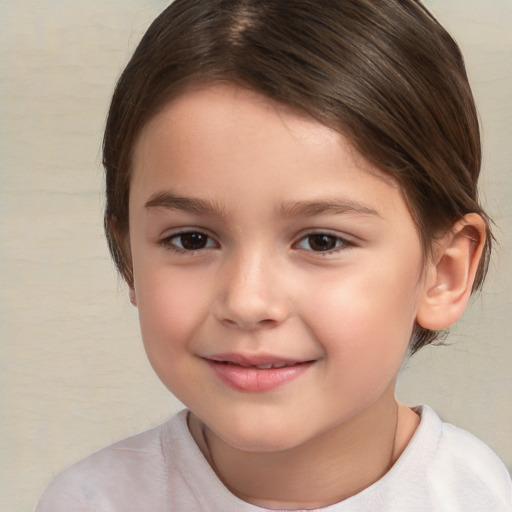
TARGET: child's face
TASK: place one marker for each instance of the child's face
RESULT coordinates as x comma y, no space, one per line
259,236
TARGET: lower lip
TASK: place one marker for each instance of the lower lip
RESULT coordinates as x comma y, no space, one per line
255,380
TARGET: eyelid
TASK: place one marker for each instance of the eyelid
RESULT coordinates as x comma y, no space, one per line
166,240
346,241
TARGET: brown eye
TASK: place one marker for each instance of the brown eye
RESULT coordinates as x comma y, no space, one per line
193,241
189,241
321,242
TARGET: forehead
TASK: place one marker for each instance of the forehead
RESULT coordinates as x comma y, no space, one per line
203,108
250,145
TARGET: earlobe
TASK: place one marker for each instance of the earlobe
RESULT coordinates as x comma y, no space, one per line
133,297
449,278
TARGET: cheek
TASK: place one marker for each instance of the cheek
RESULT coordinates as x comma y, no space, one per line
365,321
171,307
365,302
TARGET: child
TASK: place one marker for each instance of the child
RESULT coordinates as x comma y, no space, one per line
292,200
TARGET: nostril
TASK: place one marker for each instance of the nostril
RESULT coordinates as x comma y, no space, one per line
228,322
249,325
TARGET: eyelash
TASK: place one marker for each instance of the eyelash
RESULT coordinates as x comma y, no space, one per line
340,243
329,238
169,242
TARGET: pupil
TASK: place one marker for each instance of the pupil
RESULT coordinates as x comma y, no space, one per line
193,241
322,242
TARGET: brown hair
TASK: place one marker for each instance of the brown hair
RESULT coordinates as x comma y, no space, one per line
382,72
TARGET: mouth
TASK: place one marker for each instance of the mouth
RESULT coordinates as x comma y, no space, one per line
265,366
256,373
263,361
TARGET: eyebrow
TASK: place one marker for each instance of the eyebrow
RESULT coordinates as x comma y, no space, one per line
172,201
326,207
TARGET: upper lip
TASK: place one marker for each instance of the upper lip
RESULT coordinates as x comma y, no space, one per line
255,359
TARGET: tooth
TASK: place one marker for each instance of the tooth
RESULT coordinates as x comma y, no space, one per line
280,365
264,366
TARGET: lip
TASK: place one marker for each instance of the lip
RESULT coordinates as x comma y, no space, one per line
240,372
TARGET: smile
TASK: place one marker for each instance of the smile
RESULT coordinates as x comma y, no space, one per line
261,366
256,374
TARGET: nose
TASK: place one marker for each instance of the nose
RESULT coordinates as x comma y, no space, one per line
251,295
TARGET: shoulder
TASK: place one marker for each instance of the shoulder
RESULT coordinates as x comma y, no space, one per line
107,479
463,468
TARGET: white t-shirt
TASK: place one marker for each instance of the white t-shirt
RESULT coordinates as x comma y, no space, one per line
443,469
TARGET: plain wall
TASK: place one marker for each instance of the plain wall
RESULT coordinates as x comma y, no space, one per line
73,372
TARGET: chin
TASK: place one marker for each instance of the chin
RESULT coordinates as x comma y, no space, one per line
259,436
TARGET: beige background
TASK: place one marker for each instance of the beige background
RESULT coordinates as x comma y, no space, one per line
73,373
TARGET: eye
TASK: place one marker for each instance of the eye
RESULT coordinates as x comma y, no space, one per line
322,242
188,241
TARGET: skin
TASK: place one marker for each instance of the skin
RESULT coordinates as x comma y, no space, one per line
269,179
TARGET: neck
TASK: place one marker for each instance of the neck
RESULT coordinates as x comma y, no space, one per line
325,470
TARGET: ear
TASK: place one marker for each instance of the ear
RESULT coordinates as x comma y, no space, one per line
133,297
449,277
